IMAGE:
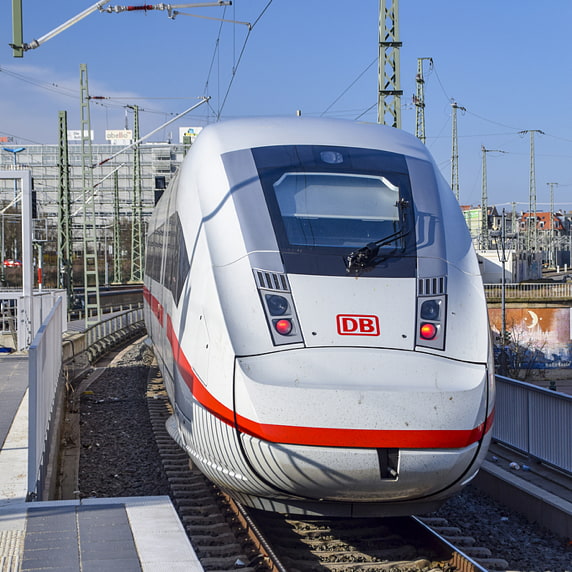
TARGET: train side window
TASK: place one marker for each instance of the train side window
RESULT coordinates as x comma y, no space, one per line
177,264
183,265
153,254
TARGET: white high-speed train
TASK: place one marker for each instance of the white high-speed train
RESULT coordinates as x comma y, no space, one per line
318,315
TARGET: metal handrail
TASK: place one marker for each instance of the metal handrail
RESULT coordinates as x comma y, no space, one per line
113,324
535,421
530,291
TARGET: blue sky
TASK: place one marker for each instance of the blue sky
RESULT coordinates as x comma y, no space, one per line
507,62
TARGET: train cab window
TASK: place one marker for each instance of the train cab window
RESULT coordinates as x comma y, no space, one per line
325,202
333,209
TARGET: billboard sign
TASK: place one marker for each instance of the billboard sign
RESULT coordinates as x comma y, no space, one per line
119,136
75,135
187,135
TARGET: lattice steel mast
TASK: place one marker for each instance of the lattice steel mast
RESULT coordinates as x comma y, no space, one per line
419,99
455,151
90,266
551,229
137,208
389,83
531,234
65,236
484,238
116,231
484,199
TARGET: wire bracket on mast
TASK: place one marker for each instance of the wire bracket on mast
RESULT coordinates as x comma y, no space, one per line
19,46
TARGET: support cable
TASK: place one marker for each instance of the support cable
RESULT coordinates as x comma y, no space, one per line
235,69
348,88
123,149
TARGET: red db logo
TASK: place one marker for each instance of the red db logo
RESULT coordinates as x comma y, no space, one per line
350,325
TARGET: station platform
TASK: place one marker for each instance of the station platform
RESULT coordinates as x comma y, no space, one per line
93,535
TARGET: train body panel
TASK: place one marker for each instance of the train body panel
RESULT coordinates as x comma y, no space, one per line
334,311
353,474
319,317
364,387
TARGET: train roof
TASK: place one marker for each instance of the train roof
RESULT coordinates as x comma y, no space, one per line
248,133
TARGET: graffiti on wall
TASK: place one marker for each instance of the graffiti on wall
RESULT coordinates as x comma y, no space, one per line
539,337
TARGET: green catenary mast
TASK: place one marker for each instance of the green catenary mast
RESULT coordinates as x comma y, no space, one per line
90,266
389,90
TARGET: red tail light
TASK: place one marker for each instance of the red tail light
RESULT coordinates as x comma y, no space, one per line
428,331
283,326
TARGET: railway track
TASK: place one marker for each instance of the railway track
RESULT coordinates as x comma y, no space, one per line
126,451
227,536
134,455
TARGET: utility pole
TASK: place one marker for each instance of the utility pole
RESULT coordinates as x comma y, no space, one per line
484,239
17,29
116,232
532,234
137,212
455,151
389,90
90,267
65,237
484,209
552,231
419,99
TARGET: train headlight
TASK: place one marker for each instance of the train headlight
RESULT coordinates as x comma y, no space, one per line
277,305
428,331
430,310
283,327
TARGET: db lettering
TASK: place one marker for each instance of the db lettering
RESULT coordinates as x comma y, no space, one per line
356,325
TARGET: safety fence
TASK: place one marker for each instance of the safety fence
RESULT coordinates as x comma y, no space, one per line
535,421
47,384
117,322
21,316
542,291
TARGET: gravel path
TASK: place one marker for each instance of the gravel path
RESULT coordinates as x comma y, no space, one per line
119,458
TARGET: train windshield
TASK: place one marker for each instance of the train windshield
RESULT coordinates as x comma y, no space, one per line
326,202
334,209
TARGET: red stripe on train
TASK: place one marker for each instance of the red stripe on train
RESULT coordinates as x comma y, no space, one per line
316,436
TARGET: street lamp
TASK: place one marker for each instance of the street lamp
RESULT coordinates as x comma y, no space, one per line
15,152
500,243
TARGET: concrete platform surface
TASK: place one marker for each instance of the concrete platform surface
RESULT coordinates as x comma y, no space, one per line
111,534
127,534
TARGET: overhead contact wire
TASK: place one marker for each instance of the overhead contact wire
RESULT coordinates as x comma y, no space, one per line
251,27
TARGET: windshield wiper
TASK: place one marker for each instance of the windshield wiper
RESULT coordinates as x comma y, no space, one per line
367,255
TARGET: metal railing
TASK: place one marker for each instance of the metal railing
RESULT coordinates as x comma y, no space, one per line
530,291
113,324
535,421
17,323
44,373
